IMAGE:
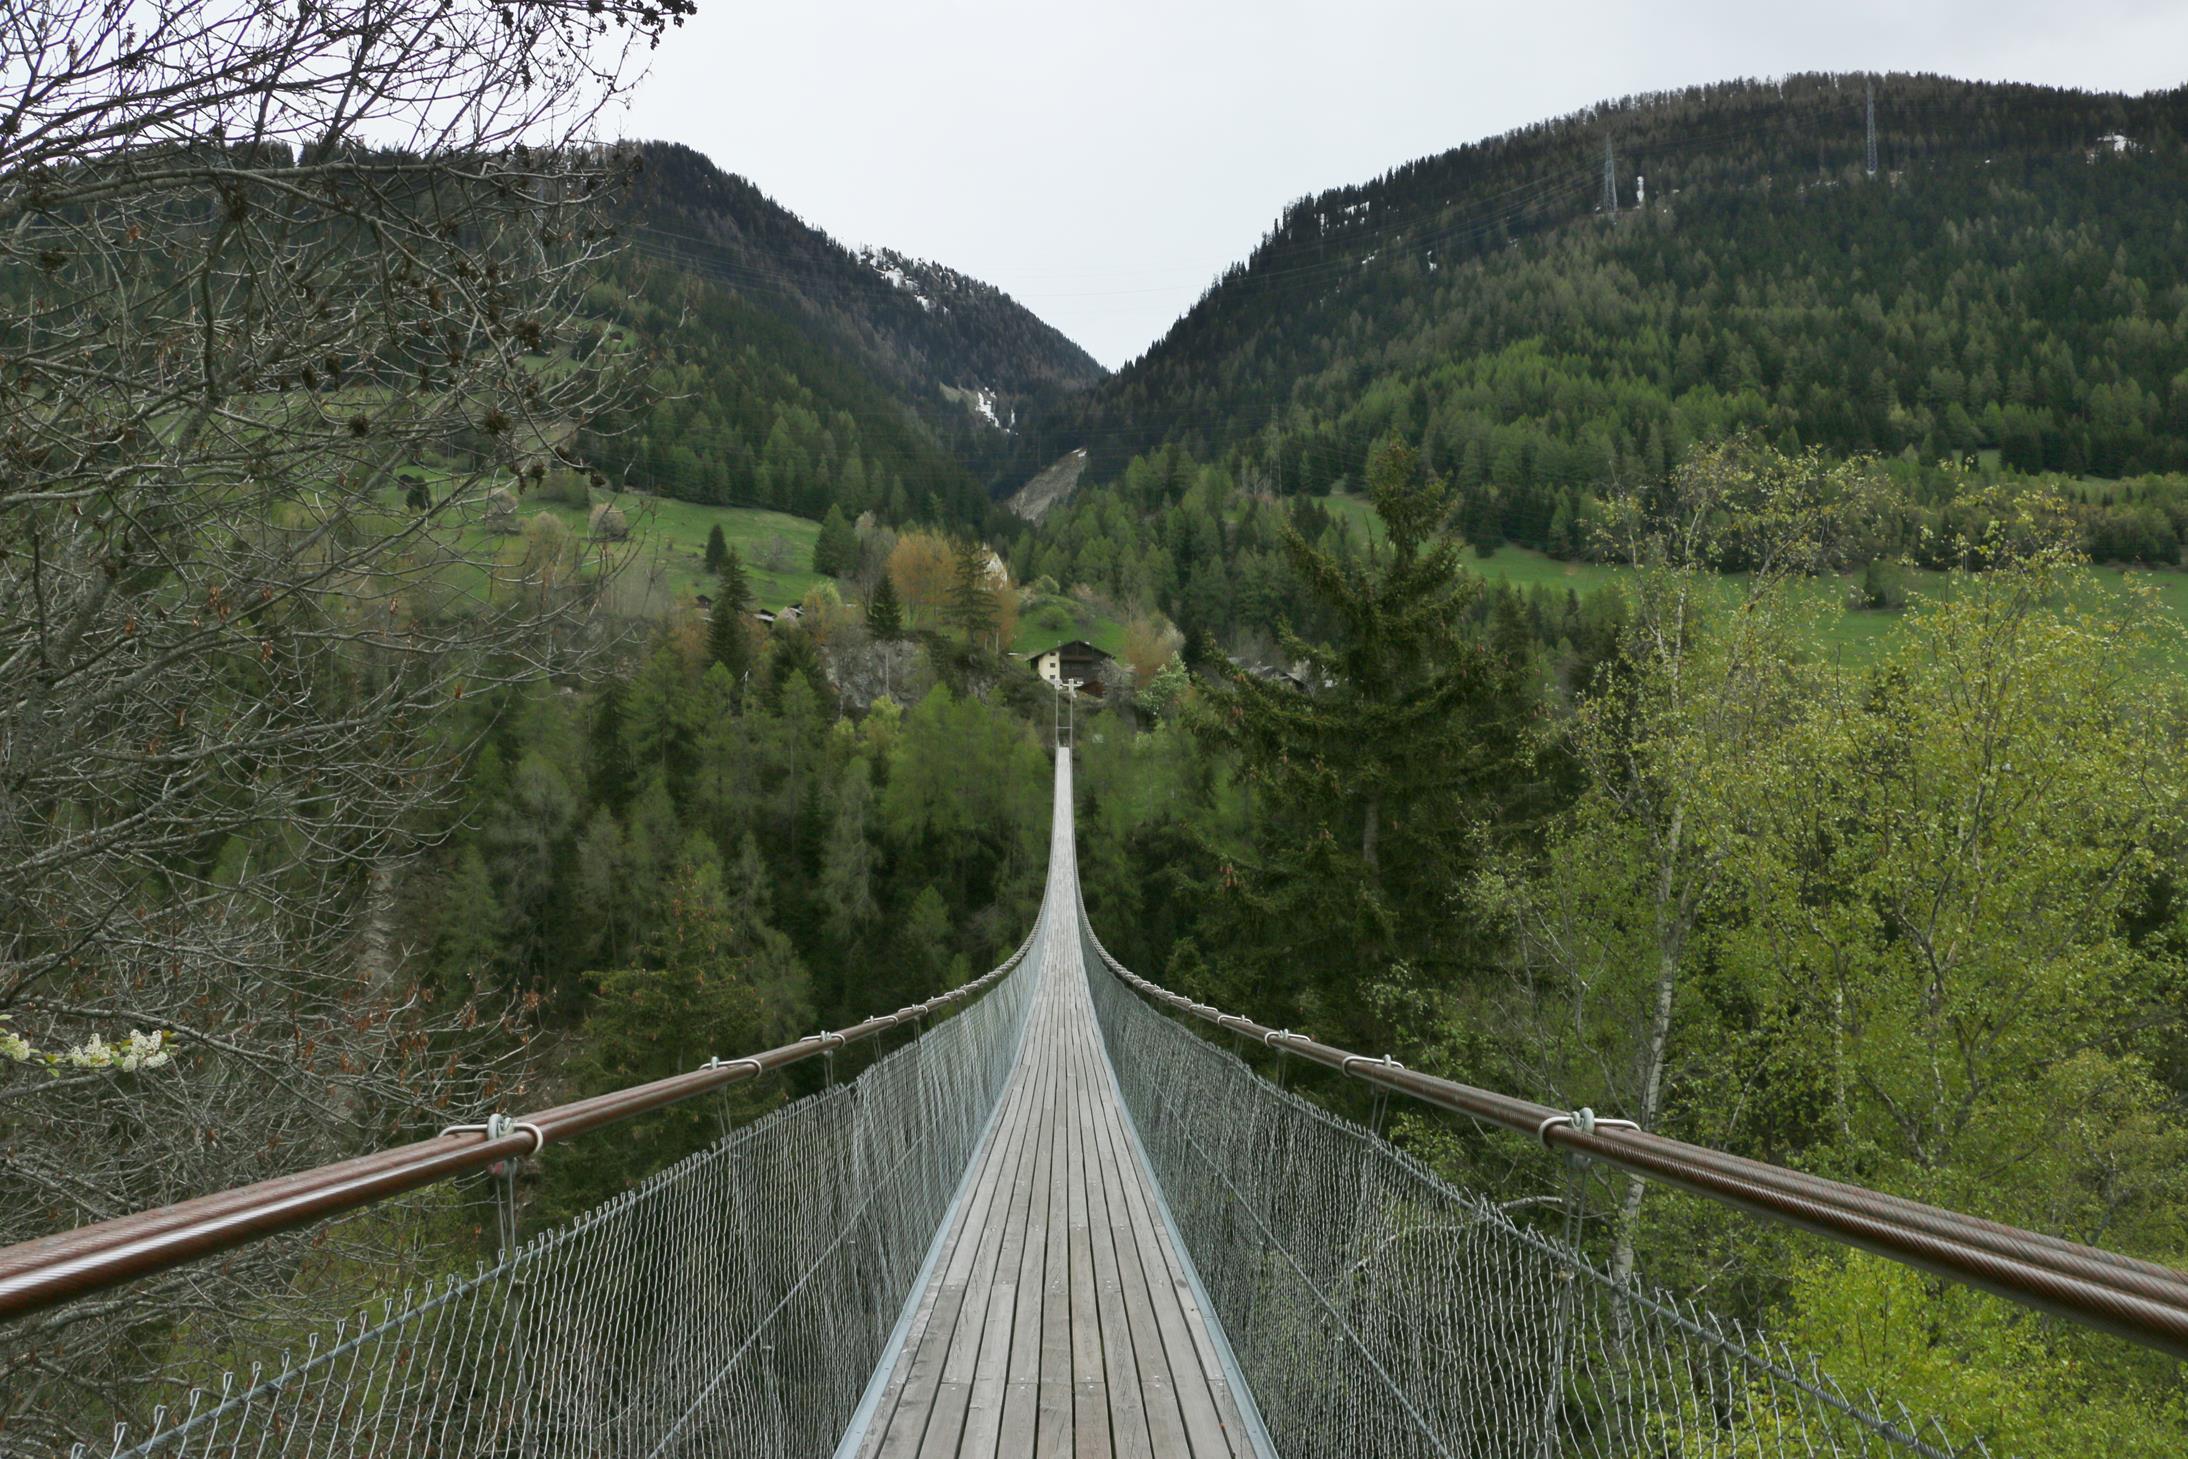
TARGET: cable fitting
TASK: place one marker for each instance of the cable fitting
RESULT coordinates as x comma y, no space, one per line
1385,1062
498,1127
1581,1121
715,1061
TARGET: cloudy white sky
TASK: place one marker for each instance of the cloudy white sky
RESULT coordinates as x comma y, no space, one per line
1103,160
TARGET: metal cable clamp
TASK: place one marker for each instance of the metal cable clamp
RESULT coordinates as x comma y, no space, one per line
498,1126
715,1061
1385,1062
1583,1122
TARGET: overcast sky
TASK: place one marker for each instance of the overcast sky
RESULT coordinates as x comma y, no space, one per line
1103,160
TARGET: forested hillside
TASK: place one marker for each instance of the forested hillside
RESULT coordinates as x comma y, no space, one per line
2012,280
786,370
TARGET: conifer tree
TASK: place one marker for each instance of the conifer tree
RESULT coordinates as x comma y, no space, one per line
727,642
608,769
733,588
717,548
835,550
1367,779
884,614
972,595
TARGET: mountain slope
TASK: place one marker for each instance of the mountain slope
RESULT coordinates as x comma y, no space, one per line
787,371
2014,277
921,325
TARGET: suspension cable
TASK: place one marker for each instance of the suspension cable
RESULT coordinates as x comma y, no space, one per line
2139,1300
48,1270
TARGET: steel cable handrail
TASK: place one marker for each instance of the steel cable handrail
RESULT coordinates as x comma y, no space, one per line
49,1270
2139,1300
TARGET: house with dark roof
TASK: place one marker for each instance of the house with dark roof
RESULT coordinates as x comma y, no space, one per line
1073,659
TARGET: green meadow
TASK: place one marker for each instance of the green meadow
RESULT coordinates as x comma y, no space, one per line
1856,634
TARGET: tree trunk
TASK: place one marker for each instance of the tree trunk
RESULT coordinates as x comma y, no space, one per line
1670,945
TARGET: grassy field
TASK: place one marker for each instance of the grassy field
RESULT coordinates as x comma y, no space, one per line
1047,621
665,555
1858,635
671,542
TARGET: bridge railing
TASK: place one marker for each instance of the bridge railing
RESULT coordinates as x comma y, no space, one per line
2138,1300
49,1270
737,1301
1374,1307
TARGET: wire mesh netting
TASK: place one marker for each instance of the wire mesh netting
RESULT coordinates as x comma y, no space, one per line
735,1303
1374,1308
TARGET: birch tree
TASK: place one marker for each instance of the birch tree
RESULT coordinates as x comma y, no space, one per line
1676,746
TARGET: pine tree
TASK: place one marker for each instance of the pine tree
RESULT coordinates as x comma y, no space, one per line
884,614
972,594
733,589
717,548
727,642
1365,779
608,771
835,550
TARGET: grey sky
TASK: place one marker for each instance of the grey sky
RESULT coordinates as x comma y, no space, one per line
1103,160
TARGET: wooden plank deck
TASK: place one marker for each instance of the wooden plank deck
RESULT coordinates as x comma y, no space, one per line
1059,1320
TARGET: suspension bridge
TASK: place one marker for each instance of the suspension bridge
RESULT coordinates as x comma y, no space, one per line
1056,1221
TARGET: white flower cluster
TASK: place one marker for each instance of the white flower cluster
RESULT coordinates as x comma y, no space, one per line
137,1051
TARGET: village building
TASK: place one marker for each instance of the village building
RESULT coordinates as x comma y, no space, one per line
1074,659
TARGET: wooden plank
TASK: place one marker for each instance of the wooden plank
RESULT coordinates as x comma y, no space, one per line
1123,1370
1155,1352
981,1371
1060,1321
1090,1397
1053,1431
1014,1322
1022,1363
1205,1405
904,1423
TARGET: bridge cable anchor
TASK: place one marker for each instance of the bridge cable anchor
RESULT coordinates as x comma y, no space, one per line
1381,1107
828,1053
721,1091
504,1172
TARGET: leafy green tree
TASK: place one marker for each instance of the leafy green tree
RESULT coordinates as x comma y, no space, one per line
1965,939
1677,750
1165,693
717,549
524,839
605,890
1365,779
